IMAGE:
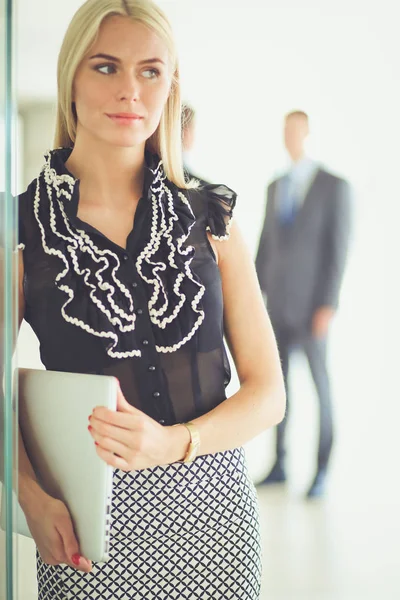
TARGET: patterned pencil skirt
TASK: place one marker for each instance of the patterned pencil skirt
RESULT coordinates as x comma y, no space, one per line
178,532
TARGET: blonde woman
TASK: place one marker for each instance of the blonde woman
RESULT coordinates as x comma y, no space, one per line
125,270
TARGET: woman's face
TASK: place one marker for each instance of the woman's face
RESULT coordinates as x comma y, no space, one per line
122,84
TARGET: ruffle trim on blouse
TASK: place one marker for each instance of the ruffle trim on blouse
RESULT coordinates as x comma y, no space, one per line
175,307
221,202
97,300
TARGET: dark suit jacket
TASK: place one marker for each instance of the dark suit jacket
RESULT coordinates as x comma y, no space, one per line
300,267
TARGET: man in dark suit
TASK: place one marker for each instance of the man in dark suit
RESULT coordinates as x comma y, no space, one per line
300,264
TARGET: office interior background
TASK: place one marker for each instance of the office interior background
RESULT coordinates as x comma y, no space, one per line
243,66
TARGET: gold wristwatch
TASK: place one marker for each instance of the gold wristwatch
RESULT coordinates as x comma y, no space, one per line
194,443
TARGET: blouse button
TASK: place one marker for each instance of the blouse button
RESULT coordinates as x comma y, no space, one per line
125,257
139,311
161,421
134,284
145,342
152,368
156,394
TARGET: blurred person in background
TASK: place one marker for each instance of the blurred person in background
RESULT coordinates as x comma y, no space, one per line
188,140
300,264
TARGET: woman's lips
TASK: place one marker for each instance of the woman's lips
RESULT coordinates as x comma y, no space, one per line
125,118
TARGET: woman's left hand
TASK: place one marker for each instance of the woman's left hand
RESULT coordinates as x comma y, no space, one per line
130,440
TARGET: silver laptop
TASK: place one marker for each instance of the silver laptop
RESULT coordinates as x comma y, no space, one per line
53,414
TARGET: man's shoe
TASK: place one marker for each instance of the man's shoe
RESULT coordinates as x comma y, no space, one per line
276,475
317,488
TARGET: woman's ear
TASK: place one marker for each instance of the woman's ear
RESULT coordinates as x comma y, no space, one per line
170,90
174,82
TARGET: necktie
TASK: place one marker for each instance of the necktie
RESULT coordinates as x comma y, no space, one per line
287,201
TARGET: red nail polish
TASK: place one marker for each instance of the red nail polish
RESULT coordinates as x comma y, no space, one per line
96,443
90,428
76,558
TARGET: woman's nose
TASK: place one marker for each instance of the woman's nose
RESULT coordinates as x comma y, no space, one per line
130,89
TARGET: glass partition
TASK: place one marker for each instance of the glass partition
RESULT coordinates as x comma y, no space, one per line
8,312
337,62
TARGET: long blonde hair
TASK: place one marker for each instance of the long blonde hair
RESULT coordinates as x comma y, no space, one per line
80,36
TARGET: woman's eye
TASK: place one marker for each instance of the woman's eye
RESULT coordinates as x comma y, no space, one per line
106,69
151,73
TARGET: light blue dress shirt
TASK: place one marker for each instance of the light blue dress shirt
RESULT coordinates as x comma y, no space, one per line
298,180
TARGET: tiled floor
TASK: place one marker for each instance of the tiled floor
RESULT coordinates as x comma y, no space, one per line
337,549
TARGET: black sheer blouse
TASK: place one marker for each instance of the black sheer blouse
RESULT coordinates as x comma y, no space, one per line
151,314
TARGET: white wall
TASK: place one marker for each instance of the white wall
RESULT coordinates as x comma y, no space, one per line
243,67
244,64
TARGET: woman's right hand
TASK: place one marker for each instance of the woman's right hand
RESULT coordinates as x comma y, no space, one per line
51,526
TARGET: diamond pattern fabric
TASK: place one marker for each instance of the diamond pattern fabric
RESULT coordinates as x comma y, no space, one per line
182,531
